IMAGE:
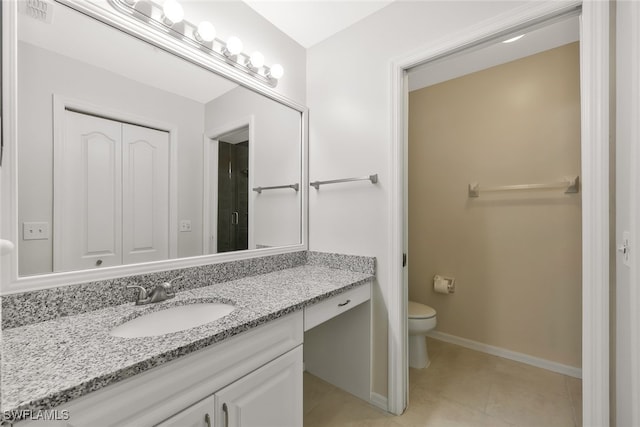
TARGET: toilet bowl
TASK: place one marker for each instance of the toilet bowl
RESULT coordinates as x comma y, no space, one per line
422,319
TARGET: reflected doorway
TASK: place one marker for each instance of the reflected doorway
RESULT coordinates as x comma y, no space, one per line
233,192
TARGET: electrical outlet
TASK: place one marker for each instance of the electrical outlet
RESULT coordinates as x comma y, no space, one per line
35,230
185,225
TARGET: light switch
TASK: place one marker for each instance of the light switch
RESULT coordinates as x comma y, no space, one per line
625,248
35,230
185,225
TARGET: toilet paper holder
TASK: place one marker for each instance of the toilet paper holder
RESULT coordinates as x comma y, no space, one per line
444,284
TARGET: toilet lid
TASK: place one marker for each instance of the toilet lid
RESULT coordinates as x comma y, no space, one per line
420,311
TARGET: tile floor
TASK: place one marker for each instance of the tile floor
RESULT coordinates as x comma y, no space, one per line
462,387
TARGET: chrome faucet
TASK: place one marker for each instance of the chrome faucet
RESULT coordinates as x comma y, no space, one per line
161,292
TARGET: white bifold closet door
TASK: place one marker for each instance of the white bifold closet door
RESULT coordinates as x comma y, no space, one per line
111,200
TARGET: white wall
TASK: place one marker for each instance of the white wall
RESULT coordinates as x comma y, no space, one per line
73,79
348,94
277,161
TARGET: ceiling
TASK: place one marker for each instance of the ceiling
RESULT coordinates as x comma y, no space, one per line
107,48
534,41
309,22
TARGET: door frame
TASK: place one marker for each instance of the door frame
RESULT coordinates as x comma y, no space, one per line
60,105
594,71
210,179
633,330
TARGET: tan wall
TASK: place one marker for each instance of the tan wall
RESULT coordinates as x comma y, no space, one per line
517,255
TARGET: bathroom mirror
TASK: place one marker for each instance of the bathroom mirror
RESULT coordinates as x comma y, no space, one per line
130,154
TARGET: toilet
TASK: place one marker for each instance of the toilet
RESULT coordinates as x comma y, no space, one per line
422,319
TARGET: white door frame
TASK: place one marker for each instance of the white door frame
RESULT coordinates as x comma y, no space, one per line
210,147
594,66
633,8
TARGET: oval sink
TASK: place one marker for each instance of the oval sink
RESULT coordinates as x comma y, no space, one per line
173,319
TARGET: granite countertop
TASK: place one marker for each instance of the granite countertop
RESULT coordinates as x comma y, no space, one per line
46,364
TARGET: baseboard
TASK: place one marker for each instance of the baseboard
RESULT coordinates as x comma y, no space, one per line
508,354
379,400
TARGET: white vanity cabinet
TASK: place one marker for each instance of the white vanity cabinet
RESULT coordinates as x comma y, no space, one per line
177,388
253,379
268,397
271,396
200,414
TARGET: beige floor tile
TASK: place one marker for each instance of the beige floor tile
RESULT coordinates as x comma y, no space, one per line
314,391
531,377
461,388
441,412
574,387
525,407
470,389
338,408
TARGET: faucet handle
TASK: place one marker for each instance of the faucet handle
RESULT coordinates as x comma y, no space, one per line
142,294
170,282
167,285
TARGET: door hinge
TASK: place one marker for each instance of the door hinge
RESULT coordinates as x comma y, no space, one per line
404,259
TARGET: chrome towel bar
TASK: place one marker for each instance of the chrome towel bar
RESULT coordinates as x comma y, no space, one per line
572,185
259,190
373,178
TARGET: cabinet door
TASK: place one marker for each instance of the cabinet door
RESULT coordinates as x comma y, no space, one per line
268,397
198,415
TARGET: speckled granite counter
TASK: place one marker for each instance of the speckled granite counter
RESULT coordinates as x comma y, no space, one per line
46,364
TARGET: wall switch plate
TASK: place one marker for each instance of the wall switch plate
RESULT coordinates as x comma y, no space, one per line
625,248
185,225
35,230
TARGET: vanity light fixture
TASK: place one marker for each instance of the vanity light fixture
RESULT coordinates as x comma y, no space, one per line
206,32
276,71
172,12
233,47
165,16
256,60
513,39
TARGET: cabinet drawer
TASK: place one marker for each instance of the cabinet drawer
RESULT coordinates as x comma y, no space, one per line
325,310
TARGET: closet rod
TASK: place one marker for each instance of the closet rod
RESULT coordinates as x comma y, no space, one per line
373,178
259,190
572,185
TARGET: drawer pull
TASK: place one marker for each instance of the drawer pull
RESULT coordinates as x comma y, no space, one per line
344,303
207,420
226,414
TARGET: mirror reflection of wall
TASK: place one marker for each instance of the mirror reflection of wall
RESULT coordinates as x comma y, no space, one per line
111,76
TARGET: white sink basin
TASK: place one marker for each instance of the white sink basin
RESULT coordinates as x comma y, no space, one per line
173,319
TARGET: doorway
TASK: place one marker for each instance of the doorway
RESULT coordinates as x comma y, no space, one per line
228,202
511,130
233,192
594,46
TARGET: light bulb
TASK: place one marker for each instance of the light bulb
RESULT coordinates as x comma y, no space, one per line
234,45
511,40
206,32
172,12
276,71
256,59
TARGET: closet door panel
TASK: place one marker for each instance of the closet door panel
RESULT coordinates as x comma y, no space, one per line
88,194
145,186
